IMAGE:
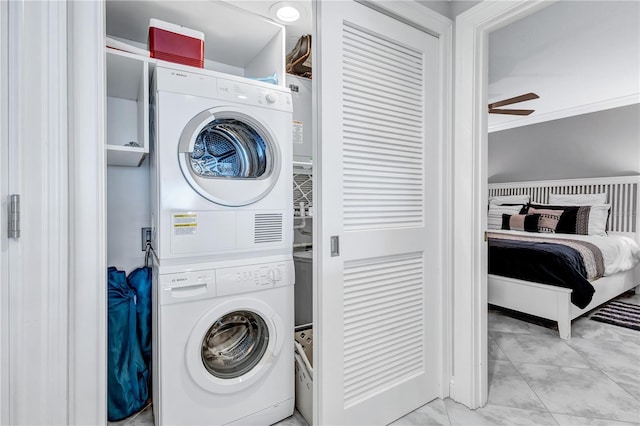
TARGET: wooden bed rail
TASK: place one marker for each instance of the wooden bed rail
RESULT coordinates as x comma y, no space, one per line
623,193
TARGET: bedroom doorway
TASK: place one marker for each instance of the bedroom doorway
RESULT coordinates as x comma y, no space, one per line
470,193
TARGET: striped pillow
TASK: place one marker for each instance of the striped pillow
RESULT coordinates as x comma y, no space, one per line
549,219
494,219
520,222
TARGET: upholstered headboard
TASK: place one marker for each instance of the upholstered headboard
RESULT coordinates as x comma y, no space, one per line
623,193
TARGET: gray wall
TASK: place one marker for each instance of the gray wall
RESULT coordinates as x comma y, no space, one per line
604,143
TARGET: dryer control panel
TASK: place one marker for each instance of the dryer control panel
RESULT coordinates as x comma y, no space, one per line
254,95
216,85
254,277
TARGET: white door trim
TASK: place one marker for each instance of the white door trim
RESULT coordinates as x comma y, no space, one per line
4,193
87,214
469,383
441,27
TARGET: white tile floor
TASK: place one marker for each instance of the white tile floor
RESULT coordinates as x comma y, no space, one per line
537,379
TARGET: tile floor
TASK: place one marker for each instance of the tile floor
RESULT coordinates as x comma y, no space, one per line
537,379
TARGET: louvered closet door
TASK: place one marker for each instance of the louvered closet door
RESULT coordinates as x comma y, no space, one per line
378,175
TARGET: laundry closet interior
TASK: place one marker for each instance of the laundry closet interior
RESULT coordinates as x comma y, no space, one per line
218,167
230,280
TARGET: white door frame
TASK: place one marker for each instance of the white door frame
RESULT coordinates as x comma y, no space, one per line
4,193
87,214
469,383
427,20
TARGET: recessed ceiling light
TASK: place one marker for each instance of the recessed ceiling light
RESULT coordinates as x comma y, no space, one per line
288,14
285,12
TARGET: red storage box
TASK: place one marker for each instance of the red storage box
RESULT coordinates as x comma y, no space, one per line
174,43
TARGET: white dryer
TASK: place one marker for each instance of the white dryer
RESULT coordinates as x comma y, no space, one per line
221,167
222,343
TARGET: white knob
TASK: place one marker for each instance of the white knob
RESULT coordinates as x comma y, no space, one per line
271,98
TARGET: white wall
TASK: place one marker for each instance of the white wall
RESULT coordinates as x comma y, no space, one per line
128,210
604,143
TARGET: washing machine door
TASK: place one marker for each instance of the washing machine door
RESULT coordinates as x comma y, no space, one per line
234,345
229,157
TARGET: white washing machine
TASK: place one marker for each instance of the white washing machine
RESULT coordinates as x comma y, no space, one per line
222,343
221,167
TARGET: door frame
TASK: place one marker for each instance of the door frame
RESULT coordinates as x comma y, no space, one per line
441,27
87,213
4,193
470,378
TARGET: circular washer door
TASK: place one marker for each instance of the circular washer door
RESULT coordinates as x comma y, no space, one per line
233,345
229,157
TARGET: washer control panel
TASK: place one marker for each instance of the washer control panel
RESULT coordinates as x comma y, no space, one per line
186,286
254,277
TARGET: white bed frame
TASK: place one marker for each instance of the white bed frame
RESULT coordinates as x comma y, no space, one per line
554,303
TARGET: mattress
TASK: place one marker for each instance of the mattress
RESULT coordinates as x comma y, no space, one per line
564,260
620,253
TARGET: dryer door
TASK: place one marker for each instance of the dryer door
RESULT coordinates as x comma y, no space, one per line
229,157
233,345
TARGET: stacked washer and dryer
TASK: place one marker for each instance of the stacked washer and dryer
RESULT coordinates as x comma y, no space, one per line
222,225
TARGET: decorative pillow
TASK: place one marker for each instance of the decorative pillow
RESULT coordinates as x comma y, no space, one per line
580,220
568,223
494,219
578,199
548,221
509,199
520,222
598,216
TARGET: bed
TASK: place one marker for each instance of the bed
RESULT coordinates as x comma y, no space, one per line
553,302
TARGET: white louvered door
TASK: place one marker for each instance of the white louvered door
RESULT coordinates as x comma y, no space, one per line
377,321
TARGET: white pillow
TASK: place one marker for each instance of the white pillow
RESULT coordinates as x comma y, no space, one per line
598,215
578,199
509,199
494,219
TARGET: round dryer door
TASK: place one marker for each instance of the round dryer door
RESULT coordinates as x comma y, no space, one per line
229,157
233,345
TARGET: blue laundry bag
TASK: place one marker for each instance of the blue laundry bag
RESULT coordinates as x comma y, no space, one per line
127,374
140,281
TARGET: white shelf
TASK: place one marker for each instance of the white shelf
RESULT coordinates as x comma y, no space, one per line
125,155
236,41
127,108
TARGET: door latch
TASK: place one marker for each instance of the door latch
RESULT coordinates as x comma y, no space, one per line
335,246
14,216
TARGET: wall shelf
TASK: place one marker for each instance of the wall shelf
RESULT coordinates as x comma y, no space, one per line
228,46
127,108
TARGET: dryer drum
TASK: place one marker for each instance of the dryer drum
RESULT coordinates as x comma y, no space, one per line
229,148
234,344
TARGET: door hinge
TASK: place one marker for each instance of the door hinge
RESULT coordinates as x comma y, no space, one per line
14,216
486,236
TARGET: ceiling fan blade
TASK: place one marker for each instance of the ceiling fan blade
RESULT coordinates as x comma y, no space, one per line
511,111
521,98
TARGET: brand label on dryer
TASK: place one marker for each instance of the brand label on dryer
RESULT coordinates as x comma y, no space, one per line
185,223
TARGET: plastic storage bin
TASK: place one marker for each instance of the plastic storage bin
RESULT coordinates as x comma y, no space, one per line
174,43
304,372
302,261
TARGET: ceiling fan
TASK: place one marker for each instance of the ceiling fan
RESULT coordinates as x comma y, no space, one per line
526,97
